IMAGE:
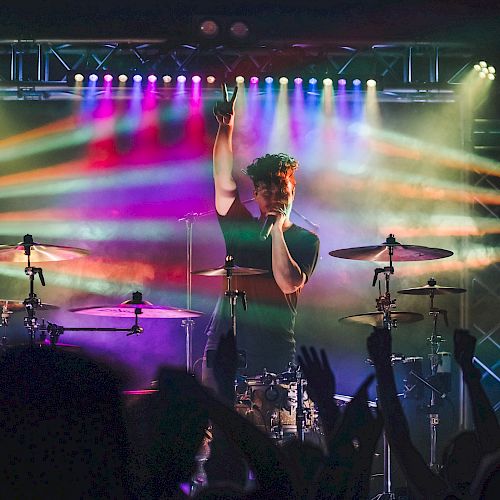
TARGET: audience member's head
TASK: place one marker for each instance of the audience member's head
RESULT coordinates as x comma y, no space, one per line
62,432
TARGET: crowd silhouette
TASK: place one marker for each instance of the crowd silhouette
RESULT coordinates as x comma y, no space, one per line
66,431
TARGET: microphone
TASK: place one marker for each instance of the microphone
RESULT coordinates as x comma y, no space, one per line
267,226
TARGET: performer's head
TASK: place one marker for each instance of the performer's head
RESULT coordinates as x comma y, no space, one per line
273,177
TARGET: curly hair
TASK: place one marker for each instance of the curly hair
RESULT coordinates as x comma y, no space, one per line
272,168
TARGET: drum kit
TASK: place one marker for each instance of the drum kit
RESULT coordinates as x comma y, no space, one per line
278,404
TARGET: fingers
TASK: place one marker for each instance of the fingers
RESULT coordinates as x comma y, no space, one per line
235,92
224,92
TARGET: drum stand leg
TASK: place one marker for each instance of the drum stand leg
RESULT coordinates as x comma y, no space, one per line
387,493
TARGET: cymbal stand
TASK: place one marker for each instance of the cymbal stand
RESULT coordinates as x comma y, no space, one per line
32,302
384,302
435,341
5,323
231,294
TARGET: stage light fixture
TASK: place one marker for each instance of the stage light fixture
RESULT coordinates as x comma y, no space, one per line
152,78
196,79
298,81
491,76
269,80
483,64
167,78
327,82
181,79
108,78
93,77
356,82
313,81
283,80
491,69
482,75
209,28
79,77
342,82
137,78
254,80
239,30
477,67
210,79
371,83
122,78
240,79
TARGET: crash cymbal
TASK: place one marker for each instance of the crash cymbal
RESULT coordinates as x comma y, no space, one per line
18,305
376,318
401,253
147,310
39,252
235,271
432,290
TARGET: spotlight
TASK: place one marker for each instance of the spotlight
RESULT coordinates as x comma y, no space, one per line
122,78
298,81
283,80
356,82
477,67
108,78
327,82
269,79
137,78
167,78
313,81
491,76
196,79
254,80
371,83
240,79
239,30
181,79
491,69
483,75
209,28
152,78
210,79
342,82
93,77
483,64
79,77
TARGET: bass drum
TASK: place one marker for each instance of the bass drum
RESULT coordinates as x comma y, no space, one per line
269,401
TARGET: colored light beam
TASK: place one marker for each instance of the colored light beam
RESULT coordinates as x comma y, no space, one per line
279,139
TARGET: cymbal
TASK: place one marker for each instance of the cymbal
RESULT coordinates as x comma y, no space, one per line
376,318
235,271
40,252
401,253
18,305
432,290
147,310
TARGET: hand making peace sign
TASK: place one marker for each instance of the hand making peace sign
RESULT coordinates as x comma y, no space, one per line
224,110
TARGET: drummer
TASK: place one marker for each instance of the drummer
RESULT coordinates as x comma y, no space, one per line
265,333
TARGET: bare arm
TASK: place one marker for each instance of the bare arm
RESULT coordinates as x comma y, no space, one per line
286,271
225,186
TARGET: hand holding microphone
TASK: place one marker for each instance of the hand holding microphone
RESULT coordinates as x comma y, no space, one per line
270,220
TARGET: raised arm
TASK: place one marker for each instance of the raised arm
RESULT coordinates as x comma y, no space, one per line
225,186
396,426
485,422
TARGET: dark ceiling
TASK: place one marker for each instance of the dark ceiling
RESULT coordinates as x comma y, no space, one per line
424,20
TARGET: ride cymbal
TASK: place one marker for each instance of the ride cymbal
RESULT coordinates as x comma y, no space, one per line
376,318
432,290
401,253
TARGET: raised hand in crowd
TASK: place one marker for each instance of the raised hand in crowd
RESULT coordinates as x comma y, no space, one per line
422,479
485,421
321,386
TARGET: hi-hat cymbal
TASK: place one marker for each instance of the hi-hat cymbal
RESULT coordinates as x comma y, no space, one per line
401,253
432,290
147,310
235,271
18,305
376,318
39,252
